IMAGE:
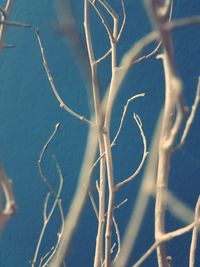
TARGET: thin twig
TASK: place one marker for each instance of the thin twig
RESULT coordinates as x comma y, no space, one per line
141,204
109,9
124,20
61,216
103,20
44,148
192,115
57,202
119,127
165,238
10,203
195,231
118,239
15,24
123,116
103,57
53,86
145,153
94,206
46,220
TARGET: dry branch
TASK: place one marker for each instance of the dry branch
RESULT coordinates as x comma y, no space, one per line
56,203
10,204
53,86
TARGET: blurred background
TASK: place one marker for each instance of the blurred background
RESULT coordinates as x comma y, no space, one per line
29,112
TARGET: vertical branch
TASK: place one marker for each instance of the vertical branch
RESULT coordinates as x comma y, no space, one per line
170,128
107,144
98,117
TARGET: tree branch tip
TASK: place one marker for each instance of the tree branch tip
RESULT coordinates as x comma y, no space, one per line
137,118
159,56
57,125
37,31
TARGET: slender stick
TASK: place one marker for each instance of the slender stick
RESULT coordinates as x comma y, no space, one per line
192,115
107,144
5,13
10,203
53,86
169,130
80,195
144,194
56,195
165,238
145,153
195,235
98,117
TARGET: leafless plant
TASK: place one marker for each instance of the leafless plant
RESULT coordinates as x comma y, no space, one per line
155,182
99,145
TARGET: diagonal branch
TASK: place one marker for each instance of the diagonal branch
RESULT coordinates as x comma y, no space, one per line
53,86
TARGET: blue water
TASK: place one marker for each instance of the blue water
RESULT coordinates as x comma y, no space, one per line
29,112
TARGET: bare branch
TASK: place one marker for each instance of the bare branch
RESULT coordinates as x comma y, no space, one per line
192,115
15,24
145,192
145,153
104,21
79,199
5,13
195,234
10,204
57,202
118,239
123,116
124,20
45,147
103,57
165,238
51,81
